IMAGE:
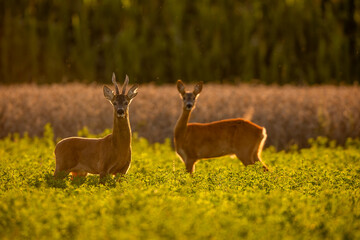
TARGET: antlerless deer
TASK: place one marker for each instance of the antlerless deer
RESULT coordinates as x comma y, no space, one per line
194,141
108,155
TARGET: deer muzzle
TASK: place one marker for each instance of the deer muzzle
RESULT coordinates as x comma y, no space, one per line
188,106
120,112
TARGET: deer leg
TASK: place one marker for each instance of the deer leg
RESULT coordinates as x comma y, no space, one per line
63,165
190,165
256,156
246,161
78,174
102,177
245,157
60,173
123,170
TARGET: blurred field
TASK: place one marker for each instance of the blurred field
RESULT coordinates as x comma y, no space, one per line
290,114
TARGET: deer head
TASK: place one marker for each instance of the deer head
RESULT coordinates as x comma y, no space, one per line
189,98
120,101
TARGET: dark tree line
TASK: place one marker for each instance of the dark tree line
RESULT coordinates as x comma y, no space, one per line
279,41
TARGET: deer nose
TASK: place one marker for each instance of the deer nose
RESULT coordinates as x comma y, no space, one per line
189,105
120,111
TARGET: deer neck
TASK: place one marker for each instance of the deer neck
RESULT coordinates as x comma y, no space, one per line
121,136
181,125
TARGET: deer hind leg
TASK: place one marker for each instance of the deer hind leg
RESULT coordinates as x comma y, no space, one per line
251,155
256,155
63,165
190,165
78,174
258,158
60,172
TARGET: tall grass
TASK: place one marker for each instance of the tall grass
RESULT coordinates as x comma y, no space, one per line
290,114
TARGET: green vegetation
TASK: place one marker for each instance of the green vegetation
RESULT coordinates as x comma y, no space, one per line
310,194
278,41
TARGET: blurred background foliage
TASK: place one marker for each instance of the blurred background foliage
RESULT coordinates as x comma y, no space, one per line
277,41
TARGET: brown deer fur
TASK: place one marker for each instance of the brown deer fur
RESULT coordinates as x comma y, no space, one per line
194,141
108,155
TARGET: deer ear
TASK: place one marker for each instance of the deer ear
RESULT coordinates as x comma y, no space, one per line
108,93
198,88
132,91
180,87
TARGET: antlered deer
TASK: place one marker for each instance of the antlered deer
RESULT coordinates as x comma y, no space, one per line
108,155
194,141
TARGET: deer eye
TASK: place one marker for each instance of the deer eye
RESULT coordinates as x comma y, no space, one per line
126,103
114,103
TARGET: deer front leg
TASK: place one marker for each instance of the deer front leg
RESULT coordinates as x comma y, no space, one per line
103,177
123,170
189,162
